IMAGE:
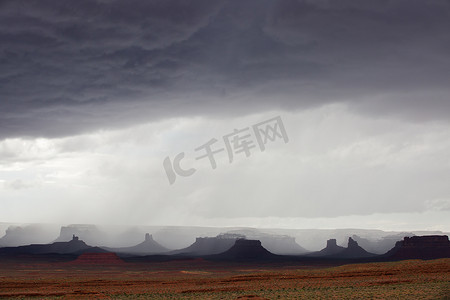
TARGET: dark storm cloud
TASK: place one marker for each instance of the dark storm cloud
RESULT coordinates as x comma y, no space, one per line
72,66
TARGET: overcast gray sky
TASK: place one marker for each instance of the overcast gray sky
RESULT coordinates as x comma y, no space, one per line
94,95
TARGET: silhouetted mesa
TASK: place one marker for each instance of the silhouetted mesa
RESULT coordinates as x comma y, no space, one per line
246,250
208,245
331,249
353,250
421,247
148,246
73,246
275,243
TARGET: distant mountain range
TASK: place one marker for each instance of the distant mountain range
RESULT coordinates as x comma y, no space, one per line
279,241
221,243
25,234
278,244
229,247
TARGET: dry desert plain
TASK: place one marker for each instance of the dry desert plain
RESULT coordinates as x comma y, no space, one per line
201,279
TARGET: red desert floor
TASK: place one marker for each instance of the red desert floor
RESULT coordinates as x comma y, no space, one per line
199,279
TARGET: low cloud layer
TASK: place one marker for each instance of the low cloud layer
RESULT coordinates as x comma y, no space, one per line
69,67
336,164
